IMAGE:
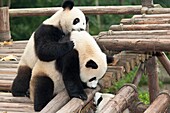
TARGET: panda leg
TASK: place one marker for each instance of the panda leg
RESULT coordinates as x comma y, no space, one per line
41,90
71,76
20,84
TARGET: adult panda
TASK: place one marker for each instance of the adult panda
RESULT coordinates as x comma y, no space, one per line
101,99
82,67
44,43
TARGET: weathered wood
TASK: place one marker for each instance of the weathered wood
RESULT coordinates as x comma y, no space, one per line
147,3
87,10
138,107
16,107
153,83
153,16
146,45
56,103
140,27
137,32
15,99
164,61
4,24
11,51
138,75
160,104
135,37
145,21
75,104
121,101
5,85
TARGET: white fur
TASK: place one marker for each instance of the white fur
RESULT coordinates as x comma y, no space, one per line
106,97
89,50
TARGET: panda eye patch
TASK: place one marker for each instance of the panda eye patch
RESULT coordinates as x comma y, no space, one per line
77,20
94,78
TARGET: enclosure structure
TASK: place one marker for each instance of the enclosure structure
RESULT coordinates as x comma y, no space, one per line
137,41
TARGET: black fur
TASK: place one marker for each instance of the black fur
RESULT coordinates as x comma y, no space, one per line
68,4
99,100
47,45
91,64
20,84
43,92
109,59
70,69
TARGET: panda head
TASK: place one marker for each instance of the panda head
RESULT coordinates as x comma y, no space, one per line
68,18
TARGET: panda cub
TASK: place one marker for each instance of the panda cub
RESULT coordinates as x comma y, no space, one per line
82,67
101,99
45,44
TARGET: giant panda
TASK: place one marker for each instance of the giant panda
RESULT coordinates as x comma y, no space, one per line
45,44
82,67
101,99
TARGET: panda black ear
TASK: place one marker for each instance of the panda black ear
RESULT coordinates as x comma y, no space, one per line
68,4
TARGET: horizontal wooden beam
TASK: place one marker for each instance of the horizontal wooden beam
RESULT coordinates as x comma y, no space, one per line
96,10
140,27
87,10
152,16
137,45
146,21
137,32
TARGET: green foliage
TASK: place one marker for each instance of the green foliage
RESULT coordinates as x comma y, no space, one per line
144,97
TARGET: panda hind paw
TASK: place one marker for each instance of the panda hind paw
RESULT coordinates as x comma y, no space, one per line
80,96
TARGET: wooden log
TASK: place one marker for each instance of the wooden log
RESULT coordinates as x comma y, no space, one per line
160,104
164,61
147,3
140,27
8,65
158,10
4,24
153,83
75,105
138,75
5,85
125,96
87,10
15,99
153,16
135,37
11,51
137,32
56,103
16,107
145,21
137,45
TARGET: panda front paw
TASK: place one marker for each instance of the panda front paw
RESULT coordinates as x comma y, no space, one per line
81,96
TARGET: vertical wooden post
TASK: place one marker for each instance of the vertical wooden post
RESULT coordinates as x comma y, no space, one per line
4,24
147,3
153,84
164,61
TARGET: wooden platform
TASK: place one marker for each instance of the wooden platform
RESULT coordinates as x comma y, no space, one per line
8,70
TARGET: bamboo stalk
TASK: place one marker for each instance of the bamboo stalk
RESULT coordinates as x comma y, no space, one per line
160,104
164,61
137,45
153,83
121,101
140,27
